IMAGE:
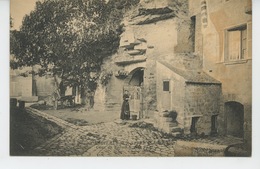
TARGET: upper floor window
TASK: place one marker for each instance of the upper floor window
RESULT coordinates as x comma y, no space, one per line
236,43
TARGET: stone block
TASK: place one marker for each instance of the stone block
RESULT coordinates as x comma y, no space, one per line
29,98
188,148
175,129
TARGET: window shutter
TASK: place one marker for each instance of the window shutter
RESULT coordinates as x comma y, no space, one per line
249,40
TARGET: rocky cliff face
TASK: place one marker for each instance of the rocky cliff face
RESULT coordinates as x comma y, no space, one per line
153,30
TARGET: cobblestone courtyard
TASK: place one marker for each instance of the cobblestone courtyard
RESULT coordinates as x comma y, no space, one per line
104,139
115,138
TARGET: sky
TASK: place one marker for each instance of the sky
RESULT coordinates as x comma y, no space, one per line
18,9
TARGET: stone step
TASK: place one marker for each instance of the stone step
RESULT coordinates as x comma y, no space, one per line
165,119
176,134
175,129
170,124
164,114
112,107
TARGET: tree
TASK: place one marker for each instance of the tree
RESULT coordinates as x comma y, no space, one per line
70,38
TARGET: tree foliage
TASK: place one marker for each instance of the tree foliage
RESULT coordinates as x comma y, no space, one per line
70,38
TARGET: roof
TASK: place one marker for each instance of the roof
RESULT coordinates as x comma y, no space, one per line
192,76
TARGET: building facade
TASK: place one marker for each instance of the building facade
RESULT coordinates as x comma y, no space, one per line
223,39
193,57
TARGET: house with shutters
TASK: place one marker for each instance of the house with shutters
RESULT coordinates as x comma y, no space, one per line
223,40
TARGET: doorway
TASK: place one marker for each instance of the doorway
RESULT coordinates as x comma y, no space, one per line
193,127
214,124
235,119
134,85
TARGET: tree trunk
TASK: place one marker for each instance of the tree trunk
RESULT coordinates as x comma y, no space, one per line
83,95
56,93
34,87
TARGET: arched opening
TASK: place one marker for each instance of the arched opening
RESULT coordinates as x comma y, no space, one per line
235,118
137,78
134,86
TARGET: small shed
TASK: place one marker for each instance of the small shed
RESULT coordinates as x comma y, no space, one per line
193,94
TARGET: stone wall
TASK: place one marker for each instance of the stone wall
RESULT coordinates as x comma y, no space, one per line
201,100
109,97
20,86
21,82
44,86
150,98
185,40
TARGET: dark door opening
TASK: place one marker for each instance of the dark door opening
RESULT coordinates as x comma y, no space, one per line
235,119
193,129
214,124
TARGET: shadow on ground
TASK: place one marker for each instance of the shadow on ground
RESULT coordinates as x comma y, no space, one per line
27,131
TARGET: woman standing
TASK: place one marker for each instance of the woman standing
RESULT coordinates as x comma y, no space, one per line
125,110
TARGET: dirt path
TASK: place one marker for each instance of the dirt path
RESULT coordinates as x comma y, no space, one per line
80,115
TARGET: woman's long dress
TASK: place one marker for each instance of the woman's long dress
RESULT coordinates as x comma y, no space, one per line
125,110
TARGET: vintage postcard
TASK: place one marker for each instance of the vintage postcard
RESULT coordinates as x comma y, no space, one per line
131,78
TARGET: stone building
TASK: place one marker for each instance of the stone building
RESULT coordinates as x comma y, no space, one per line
26,86
21,83
157,64
193,94
223,40
154,31
201,50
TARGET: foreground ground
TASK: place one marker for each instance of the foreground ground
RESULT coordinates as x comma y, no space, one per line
116,138
28,131
76,132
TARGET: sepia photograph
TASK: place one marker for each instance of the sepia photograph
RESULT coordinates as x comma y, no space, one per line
130,78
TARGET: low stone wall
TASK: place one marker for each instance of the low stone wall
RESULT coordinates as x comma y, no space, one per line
201,100
187,148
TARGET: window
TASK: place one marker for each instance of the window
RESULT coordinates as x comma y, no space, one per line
166,85
193,29
236,44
